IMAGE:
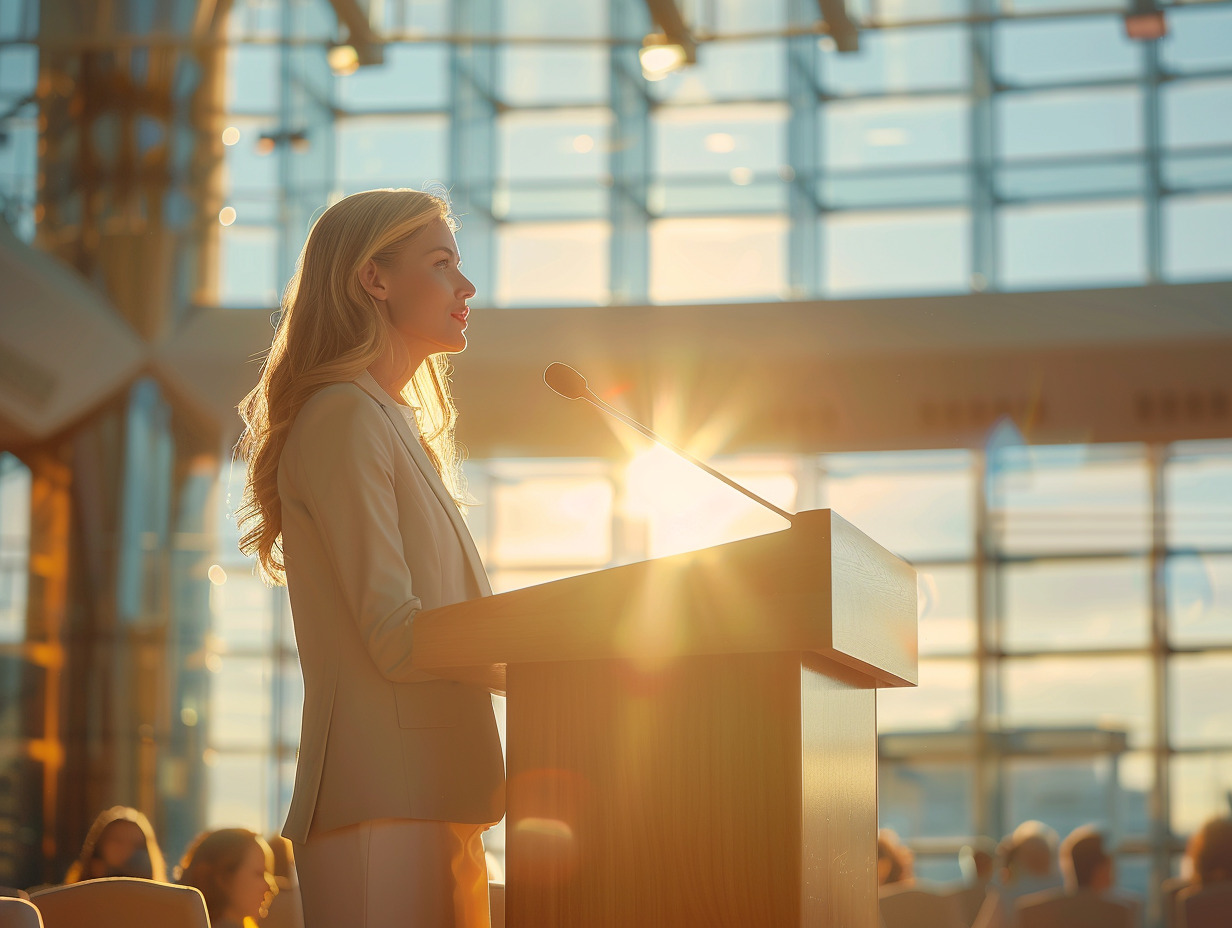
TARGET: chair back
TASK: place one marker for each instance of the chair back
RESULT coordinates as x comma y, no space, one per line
18,913
1206,906
121,902
969,900
918,908
1080,910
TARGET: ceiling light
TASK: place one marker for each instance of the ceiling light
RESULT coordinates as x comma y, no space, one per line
343,60
659,57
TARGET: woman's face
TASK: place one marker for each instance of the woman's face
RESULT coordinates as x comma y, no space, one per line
250,888
118,843
424,294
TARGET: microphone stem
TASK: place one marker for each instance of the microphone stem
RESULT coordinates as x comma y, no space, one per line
591,398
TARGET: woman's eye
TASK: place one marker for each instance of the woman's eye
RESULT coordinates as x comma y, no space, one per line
443,263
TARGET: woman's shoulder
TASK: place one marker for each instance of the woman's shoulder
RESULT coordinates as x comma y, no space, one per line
338,411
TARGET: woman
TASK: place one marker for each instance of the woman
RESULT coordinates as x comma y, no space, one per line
353,494
119,843
233,868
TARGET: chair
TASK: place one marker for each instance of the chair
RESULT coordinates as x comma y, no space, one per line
1168,892
1205,906
913,907
121,902
969,900
1057,909
18,913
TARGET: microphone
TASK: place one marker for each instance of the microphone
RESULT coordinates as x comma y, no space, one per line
572,386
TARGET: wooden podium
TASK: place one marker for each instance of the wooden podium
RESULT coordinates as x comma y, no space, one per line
692,740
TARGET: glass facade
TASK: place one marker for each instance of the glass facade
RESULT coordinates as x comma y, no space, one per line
1075,600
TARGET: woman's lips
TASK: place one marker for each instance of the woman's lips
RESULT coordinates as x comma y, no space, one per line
461,317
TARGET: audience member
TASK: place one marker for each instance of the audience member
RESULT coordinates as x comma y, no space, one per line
1087,900
119,843
234,869
1027,866
287,908
1208,900
1210,853
902,901
976,862
894,861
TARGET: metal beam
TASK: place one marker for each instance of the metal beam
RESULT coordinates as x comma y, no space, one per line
667,16
839,25
360,35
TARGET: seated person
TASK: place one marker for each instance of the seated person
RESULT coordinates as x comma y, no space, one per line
119,843
1027,866
904,903
976,861
1089,898
234,869
1208,899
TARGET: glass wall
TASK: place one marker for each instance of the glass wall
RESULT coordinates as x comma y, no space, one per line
1034,146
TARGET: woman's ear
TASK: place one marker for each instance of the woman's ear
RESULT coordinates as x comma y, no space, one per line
372,280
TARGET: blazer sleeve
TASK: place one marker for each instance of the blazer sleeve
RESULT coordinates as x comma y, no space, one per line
343,467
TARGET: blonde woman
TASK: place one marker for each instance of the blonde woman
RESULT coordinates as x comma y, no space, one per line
352,501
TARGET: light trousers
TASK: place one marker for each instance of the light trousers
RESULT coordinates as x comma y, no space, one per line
394,873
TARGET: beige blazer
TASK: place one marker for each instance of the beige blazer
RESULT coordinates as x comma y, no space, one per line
371,537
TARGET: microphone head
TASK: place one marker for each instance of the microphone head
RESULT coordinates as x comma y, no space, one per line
565,381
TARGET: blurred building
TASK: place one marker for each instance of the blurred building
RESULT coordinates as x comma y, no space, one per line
969,284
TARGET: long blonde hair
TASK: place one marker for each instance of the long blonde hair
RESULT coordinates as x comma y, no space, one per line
331,330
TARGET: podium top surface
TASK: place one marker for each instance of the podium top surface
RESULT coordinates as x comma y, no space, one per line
820,586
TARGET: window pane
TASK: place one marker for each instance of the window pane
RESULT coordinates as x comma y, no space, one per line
1198,786
946,597
1069,122
242,607
932,58
559,145
414,76
1199,599
880,133
253,76
916,504
240,692
1071,49
553,264
391,151
1069,793
1198,489
924,799
1197,39
944,700
14,547
1059,605
1189,109
722,259
539,74
1036,180
1084,244
1199,707
884,253
237,785
718,140
727,71
1069,499
1108,693
248,266
1196,235
557,520
554,18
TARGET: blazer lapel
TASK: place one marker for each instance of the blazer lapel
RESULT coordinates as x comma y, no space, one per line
410,439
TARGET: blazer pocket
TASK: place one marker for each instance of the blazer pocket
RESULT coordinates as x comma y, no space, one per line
433,704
